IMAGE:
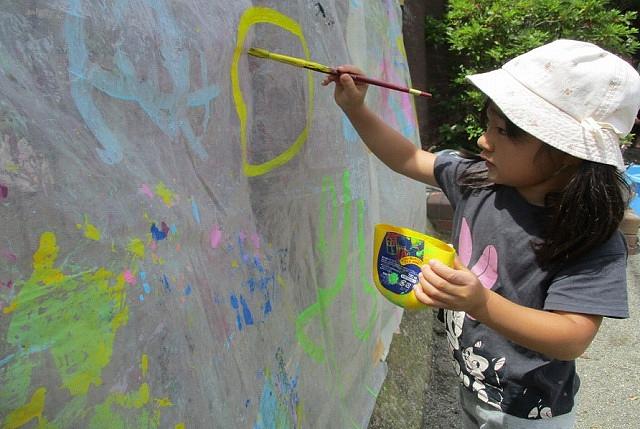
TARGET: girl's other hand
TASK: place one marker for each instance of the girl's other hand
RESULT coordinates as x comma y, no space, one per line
349,95
454,288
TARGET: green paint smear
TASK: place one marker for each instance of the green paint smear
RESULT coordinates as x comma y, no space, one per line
393,278
75,317
326,296
106,414
367,288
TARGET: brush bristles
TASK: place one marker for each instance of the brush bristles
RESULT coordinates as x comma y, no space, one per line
257,52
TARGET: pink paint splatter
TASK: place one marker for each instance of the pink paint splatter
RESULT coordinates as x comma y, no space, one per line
255,239
145,189
8,255
130,278
407,107
4,192
215,236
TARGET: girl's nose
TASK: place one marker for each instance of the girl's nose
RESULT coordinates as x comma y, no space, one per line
483,143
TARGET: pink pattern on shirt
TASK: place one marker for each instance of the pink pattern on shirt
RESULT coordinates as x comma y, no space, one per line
486,268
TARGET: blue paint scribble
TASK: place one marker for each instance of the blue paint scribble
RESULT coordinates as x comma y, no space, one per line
257,299
277,407
165,283
156,233
243,254
266,308
246,312
196,211
168,110
348,132
216,298
265,283
271,414
406,127
258,264
236,306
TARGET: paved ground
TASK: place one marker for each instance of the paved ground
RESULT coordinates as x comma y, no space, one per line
610,371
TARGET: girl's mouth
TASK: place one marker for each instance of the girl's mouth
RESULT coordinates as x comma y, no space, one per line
487,162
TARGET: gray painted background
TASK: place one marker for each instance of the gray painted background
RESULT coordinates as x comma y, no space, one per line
186,231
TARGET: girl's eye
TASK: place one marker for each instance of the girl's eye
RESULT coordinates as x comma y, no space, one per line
497,129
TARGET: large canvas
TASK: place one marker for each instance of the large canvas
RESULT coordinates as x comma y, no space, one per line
186,231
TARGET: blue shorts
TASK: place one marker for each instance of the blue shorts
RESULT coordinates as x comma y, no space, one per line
478,415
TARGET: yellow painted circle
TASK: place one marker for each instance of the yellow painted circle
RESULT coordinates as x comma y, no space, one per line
263,15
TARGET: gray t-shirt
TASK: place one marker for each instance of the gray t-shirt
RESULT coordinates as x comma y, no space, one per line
492,231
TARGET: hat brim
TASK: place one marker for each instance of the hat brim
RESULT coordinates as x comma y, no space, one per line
545,121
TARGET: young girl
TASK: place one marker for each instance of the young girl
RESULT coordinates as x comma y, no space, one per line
541,261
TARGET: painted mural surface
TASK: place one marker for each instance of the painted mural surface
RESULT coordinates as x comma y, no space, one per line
186,231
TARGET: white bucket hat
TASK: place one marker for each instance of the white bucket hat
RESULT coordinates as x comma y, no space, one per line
572,95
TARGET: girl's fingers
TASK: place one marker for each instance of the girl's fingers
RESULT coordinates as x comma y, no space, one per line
328,79
435,279
347,82
429,294
427,299
457,276
348,69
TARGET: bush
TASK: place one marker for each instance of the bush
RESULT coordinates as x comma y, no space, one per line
482,35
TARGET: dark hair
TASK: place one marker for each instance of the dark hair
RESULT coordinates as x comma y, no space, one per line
579,218
584,214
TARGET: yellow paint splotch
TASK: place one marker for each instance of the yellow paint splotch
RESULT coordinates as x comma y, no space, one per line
167,195
90,230
111,412
136,248
144,364
74,319
44,259
29,411
250,17
10,308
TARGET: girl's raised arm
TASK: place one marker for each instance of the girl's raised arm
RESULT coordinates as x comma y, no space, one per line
391,147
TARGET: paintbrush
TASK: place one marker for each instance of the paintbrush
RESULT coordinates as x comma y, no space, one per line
299,62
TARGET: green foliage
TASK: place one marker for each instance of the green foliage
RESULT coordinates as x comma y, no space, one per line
482,35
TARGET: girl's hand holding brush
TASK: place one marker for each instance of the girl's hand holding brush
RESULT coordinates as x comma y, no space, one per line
349,94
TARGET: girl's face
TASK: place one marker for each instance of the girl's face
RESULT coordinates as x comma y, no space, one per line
523,162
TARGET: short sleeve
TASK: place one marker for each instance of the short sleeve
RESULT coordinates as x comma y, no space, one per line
447,169
596,284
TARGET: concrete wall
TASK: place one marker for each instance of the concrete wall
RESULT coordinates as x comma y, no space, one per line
403,399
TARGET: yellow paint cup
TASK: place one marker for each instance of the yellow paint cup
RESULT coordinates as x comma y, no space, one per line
399,253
